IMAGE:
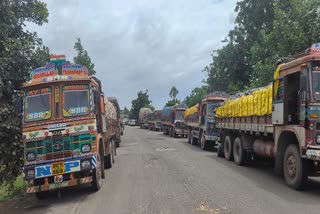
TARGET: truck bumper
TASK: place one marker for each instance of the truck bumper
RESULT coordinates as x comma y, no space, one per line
181,131
211,138
47,187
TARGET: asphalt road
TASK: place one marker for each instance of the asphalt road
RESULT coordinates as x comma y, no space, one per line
158,174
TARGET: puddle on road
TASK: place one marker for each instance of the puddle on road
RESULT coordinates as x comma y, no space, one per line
165,149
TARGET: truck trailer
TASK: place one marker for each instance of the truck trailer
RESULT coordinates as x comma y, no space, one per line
280,122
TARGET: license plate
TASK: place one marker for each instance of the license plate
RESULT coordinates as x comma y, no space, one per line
57,168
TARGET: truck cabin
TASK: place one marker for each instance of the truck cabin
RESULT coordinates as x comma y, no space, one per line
177,117
207,107
296,90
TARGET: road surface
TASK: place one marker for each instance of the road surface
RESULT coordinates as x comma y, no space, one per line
158,174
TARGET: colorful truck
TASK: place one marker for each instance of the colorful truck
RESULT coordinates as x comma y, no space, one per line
173,122
199,120
69,128
143,117
154,120
280,122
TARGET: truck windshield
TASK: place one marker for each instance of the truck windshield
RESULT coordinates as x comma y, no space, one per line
316,80
75,100
211,107
37,105
179,115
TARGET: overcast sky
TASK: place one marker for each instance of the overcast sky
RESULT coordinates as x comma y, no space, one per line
141,44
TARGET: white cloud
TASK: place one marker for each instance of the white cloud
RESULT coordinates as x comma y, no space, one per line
139,45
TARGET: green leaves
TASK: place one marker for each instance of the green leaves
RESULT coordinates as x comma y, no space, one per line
196,95
83,58
173,94
264,31
20,51
140,102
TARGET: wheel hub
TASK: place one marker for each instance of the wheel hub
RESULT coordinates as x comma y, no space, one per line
291,166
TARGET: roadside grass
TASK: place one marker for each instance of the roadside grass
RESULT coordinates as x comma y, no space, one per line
18,189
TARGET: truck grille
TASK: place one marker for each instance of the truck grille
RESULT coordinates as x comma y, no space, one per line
58,147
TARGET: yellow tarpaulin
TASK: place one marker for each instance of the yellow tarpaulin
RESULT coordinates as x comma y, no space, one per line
190,111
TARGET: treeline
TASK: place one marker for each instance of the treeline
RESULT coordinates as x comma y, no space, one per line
264,31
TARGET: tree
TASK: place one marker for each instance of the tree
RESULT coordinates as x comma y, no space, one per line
196,95
125,111
173,94
83,57
20,51
140,102
149,106
231,69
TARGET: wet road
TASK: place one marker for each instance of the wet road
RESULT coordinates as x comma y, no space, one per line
158,174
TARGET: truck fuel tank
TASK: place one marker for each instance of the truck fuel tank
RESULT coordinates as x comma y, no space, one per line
263,148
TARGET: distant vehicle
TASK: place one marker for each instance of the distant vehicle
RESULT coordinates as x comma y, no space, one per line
143,120
132,122
173,122
199,120
154,120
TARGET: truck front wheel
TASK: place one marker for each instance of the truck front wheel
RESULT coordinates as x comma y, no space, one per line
220,152
295,169
228,147
97,177
189,136
203,143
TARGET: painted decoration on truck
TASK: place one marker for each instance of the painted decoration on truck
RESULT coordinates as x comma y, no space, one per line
42,72
315,48
37,104
74,69
57,168
76,100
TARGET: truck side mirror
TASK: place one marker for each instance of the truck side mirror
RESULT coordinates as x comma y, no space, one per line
18,104
95,101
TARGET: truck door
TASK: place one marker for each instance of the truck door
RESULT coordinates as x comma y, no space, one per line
303,95
203,113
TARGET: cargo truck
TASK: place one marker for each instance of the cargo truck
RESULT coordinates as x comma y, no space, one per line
143,117
199,120
280,122
154,120
173,122
69,128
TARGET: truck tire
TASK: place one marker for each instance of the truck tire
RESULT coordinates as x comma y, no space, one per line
96,175
295,169
239,154
220,152
189,136
228,147
114,149
174,133
194,141
203,143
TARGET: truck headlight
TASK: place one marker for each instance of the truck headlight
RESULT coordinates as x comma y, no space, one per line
30,173
318,138
85,164
31,156
85,148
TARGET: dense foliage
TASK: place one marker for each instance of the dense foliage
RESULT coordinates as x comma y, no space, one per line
264,31
196,95
20,51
